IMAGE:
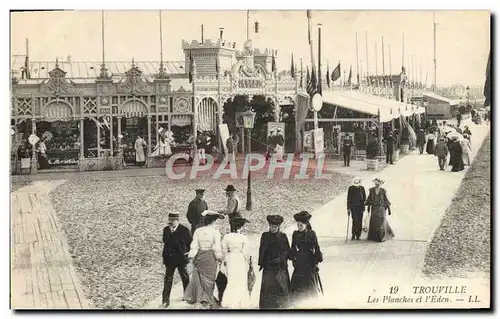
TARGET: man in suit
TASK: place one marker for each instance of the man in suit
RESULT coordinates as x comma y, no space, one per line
421,141
233,205
356,197
271,144
177,240
389,142
346,150
195,208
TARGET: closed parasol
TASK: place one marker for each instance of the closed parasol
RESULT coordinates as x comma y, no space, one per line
221,282
251,277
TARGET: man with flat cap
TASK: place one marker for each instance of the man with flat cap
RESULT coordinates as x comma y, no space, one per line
233,205
273,261
195,208
271,144
176,243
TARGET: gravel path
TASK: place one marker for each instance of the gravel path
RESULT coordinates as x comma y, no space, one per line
461,244
114,226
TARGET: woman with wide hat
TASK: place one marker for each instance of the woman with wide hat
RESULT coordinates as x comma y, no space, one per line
305,255
205,252
377,201
273,261
236,250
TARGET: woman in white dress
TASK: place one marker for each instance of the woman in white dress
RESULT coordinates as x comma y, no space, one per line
466,150
205,253
235,248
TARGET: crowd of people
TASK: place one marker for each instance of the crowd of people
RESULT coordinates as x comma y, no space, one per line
223,274
453,147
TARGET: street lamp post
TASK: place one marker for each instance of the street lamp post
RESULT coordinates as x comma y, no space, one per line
248,122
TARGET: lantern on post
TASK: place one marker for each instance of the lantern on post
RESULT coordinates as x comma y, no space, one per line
248,123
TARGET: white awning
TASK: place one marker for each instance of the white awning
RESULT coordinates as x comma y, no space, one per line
364,103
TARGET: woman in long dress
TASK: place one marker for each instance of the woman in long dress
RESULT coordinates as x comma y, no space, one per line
205,251
273,261
431,143
466,150
163,145
378,203
235,247
456,158
140,158
305,255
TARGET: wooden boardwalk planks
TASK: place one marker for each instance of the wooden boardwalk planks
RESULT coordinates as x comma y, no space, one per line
43,276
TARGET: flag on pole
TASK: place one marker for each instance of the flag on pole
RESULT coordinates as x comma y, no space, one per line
273,64
350,76
190,67
312,85
256,25
217,67
328,75
292,68
301,75
336,73
309,29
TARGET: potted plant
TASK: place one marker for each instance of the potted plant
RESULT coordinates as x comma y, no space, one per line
372,150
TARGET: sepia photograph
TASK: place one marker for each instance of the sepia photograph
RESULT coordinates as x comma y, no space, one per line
250,159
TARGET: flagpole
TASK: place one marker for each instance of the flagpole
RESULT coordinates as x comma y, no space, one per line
361,88
301,75
367,61
403,51
248,24
376,67
320,84
357,58
390,62
310,38
313,66
434,55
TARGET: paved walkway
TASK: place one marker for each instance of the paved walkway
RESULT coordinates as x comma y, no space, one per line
352,271
42,273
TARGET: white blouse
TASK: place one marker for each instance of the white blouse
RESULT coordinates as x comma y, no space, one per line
206,238
235,242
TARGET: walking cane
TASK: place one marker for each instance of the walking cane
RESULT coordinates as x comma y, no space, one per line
347,231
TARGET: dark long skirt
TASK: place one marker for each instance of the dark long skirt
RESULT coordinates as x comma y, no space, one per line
202,284
456,160
430,147
305,283
379,230
275,288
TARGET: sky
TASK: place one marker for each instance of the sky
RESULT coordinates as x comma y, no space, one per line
462,37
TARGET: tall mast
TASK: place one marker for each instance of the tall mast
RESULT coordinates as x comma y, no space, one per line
248,24
383,57
403,51
367,61
162,74
434,59
357,58
103,73
320,85
376,60
390,63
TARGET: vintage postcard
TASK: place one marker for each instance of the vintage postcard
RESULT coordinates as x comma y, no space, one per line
250,160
